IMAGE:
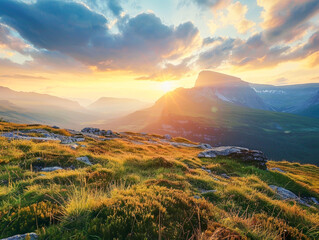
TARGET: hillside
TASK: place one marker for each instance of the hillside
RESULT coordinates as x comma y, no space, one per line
138,186
193,114
30,107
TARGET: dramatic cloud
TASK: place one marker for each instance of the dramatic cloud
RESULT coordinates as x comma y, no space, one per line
256,52
10,42
214,57
105,5
233,15
142,44
212,4
286,20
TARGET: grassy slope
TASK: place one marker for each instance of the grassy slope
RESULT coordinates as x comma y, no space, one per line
311,112
146,191
279,135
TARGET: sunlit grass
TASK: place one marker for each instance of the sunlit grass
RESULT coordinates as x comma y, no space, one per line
148,191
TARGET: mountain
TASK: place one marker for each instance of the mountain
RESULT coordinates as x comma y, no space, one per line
32,107
229,89
298,99
117,106
31,99
201,114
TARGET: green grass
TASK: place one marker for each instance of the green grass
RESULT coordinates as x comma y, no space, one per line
149,191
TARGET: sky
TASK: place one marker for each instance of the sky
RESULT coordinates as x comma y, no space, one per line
86,49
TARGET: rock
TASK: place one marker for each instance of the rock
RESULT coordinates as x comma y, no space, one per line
197,197
278,169
288,195
205,146
208,191
168,137
284,193
74,146
253,157
207,170
315,201
109,132
84,146
51,169
66,140
84,159
27,236
95,131
224,175
207,154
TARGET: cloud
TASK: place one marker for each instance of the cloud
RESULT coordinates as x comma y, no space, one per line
21,76
212,4
170,71
104,5
287,20
234,15
7,40
281,80
256,52
70,28
214,57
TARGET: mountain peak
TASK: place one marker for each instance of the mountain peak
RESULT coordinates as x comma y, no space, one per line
215,79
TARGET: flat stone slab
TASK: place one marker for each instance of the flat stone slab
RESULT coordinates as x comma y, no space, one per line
254,157
286,194
51,169
278,170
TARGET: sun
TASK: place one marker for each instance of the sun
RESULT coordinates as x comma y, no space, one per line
167,86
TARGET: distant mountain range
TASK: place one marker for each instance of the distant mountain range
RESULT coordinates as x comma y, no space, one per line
30,107
302,99
224,110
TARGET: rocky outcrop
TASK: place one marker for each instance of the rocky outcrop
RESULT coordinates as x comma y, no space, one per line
27,236
97,131
254,157
85,160
43,135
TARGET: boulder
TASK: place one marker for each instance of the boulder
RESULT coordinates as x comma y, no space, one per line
205,146
27,236
254,157
84,159
95,131
288,195
224,175
74,146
